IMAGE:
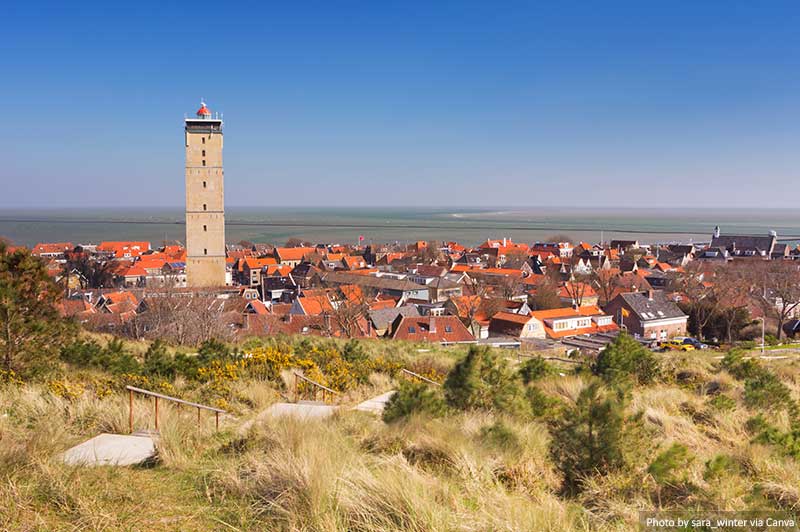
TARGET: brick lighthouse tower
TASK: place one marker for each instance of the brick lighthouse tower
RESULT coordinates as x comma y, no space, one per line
205,201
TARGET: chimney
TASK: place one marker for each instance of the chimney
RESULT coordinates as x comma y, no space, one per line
432,325
650,294
504,241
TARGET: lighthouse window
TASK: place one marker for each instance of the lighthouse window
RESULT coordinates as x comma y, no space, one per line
204,162
205,228
204,184
204,141
205,251
204,206
204,153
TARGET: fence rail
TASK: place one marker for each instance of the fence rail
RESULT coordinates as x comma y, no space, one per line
315,384
156,396
420,377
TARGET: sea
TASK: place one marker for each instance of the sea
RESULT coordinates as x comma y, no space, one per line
345,225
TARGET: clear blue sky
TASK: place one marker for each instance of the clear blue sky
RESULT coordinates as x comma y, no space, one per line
411,103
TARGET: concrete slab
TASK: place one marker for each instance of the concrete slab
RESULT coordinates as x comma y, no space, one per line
376,404
111,449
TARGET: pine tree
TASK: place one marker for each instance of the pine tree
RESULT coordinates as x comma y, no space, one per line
31,329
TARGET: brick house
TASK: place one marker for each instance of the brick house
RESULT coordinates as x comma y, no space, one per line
648,314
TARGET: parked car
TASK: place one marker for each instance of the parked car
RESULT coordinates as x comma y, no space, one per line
694,342
677,346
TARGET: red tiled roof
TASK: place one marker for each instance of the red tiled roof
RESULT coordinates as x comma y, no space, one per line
293,253
52,247
447,329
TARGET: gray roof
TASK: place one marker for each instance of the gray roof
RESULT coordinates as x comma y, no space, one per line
382,318
735,243
443,283
658,308
380,283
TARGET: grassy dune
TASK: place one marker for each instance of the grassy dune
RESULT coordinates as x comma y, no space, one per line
466,470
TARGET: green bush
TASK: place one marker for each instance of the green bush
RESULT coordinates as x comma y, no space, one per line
722,403
592,437
771,339
158,362
483,381
669,467
735,364
500,435
534,369
626,358
414,398
766,391
719,466
112,358
542,405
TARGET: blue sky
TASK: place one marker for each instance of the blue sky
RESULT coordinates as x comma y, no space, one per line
410,103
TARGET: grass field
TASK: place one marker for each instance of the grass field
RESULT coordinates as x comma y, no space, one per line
465,470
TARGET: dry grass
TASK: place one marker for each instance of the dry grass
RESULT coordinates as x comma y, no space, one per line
464,472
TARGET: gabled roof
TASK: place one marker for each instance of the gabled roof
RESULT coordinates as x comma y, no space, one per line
51,248
652,305
446,329
293,253
382,318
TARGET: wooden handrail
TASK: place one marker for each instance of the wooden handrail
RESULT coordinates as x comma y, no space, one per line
298,378
420,377
156,396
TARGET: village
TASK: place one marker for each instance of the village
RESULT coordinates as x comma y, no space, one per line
554,295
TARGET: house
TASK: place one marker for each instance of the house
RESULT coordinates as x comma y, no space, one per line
573,293
124,249
53,250
292,256
649,314
434,329
442,289
553,323
251,269
382,318
757,246
401,288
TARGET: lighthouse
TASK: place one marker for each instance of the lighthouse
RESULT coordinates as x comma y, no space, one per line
205,200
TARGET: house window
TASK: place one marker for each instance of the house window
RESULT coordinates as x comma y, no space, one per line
205,251
412,330
448,329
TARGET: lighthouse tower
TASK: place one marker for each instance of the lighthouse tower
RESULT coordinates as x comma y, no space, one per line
205,200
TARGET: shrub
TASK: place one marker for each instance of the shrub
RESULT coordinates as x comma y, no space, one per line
158,362
542,405
766,391
482,380
671,463
590,437
735,364
722,403
500,435
113,357
212,349
534,369
626,358
719,466
413,398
